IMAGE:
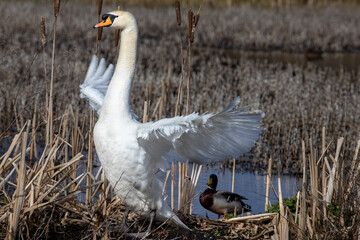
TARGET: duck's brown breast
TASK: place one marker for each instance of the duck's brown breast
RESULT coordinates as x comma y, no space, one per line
207,199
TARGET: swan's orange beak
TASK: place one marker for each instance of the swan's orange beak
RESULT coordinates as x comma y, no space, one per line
104,23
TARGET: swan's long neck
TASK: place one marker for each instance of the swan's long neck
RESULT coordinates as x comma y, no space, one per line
117,100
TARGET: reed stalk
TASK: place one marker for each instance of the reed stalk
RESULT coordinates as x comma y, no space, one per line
99,30
233,175
172,185
179,187
49,124
75,140
303,209
90,159
165,181
268,181
190,40
4,163
146,111
117,37
18,197
182,60
33,151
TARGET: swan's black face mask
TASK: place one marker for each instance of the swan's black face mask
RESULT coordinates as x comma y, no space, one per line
107,20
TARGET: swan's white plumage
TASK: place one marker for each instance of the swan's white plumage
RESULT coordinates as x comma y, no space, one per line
202,138
96,83
131,152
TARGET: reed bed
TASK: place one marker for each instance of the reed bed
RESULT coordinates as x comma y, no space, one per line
327,205
50,183
281,90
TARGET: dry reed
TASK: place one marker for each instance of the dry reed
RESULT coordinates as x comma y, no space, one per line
264,85
49,189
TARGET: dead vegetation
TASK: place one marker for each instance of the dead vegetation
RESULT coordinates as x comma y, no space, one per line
49,188
298,99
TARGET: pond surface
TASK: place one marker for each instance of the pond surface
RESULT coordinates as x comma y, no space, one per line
249,185
346,61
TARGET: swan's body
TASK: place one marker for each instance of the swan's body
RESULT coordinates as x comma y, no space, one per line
131,152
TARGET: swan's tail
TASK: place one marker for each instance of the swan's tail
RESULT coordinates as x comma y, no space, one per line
175,221
96,83
165,214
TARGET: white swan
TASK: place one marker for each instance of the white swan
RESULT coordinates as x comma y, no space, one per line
131,152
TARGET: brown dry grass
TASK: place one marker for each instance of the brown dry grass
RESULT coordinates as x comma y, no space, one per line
298,99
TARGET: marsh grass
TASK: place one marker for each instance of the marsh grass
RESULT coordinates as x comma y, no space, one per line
60,191
298,99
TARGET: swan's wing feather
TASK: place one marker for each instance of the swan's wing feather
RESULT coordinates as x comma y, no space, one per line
94,96
96,83
201,138
232,104
92,69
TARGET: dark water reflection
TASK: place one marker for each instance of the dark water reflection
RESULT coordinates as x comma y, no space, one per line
346,61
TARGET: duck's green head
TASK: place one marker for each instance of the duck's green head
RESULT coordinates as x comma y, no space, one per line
212,182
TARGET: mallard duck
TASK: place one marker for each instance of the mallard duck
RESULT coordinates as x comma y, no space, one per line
222,202
131,152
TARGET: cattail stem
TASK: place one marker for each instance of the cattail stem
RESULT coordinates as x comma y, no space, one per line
188,80
233,176
90,160
50,106
182,61
99,33
100,3
172,185
268,181
196,19
43,43
179,187
56,7
117,36
178,12
43,36
190,22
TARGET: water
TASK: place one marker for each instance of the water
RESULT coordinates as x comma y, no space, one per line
249,185
346,61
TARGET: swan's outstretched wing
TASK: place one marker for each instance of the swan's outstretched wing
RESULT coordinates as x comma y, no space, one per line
96,83
201,138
